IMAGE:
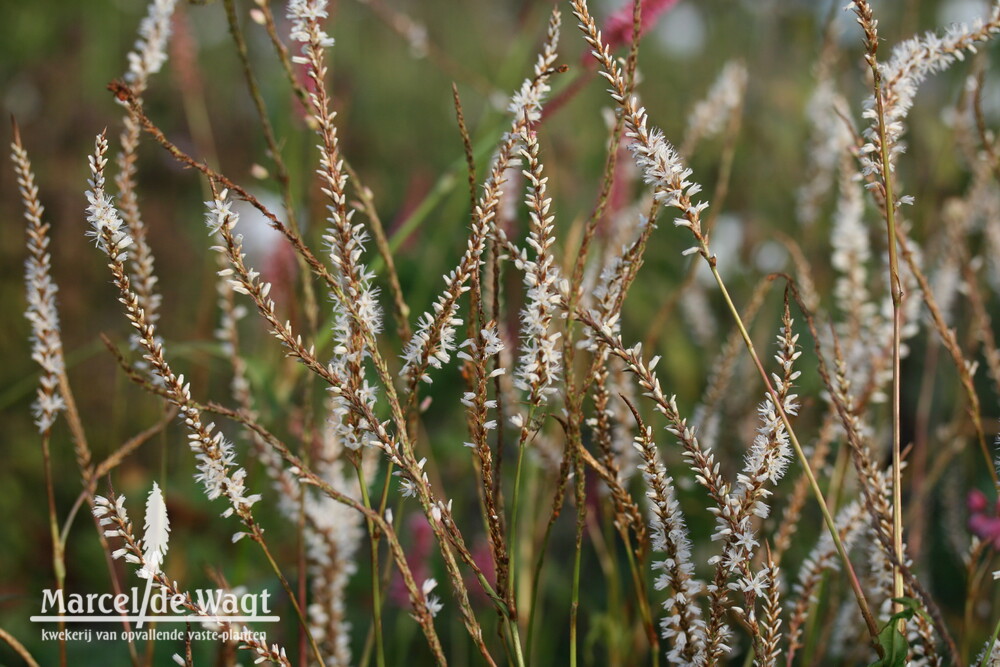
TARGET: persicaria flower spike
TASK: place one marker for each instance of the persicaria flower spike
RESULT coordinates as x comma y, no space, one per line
107,227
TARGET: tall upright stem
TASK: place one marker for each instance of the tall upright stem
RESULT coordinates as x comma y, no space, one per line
374,534
897,316
258,537
58,551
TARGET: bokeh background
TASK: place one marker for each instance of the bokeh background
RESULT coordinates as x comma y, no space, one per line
392,84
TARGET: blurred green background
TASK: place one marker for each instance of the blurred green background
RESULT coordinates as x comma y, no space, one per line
397,128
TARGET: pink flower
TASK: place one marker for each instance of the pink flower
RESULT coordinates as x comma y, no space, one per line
484,559
985,526
616,32
418,556
618,28
622,187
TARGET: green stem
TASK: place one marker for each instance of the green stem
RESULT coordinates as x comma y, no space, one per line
58,544
897,317
376,592
640,591
581,513
386,571
536,578
515,501
989,647
259,539
515,639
